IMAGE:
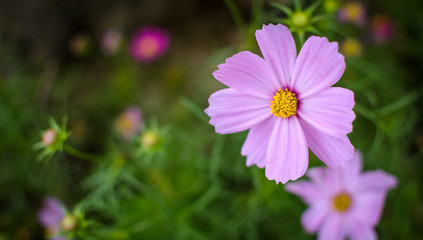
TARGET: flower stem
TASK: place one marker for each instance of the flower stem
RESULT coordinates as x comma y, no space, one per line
81,155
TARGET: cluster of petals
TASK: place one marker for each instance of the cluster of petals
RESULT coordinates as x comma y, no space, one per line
366,194
323,116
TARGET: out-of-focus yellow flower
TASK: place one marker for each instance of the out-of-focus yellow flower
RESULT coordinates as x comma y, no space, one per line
353,12
331,6
78,45
351,47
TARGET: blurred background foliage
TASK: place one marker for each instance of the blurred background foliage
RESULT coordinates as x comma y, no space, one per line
194,183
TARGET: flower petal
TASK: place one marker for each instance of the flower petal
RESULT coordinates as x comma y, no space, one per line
316,174
367,207
377,180
287,153
52,212
308,191
318,66
355,164
278,48
313,217
360,231
351,173
248,73
332,228
233,111
255,146
329,111
333,151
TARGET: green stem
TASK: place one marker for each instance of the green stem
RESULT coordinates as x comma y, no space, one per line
81,155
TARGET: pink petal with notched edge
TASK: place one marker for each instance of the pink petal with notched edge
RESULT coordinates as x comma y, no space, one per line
334,152
360,231
233,111
287,153
314,216
332,228
248,73
309,192
367,207
257,141
278,48
318,66
329,111
377,180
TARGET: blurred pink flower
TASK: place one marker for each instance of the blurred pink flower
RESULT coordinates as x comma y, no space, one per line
382,28
111,41
353,12
287,102
343,202
51,216
149,44
129,123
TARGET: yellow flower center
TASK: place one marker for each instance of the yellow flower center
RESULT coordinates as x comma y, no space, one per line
342,202
69,222
150,138
284,103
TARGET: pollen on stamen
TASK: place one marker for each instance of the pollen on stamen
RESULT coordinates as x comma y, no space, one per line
341,202
284,103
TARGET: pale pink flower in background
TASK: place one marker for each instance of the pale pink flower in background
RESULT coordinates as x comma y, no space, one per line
110,41
149,44
343,202
287,102
353,12
129,123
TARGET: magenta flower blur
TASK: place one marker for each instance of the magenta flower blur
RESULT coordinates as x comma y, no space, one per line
149,44
51,216
287,102
343,202
382,28
129,123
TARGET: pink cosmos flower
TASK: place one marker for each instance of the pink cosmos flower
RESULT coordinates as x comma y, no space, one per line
149,43
343,202
51,216
287,102
129,123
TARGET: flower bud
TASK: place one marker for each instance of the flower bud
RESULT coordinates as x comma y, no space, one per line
49,137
